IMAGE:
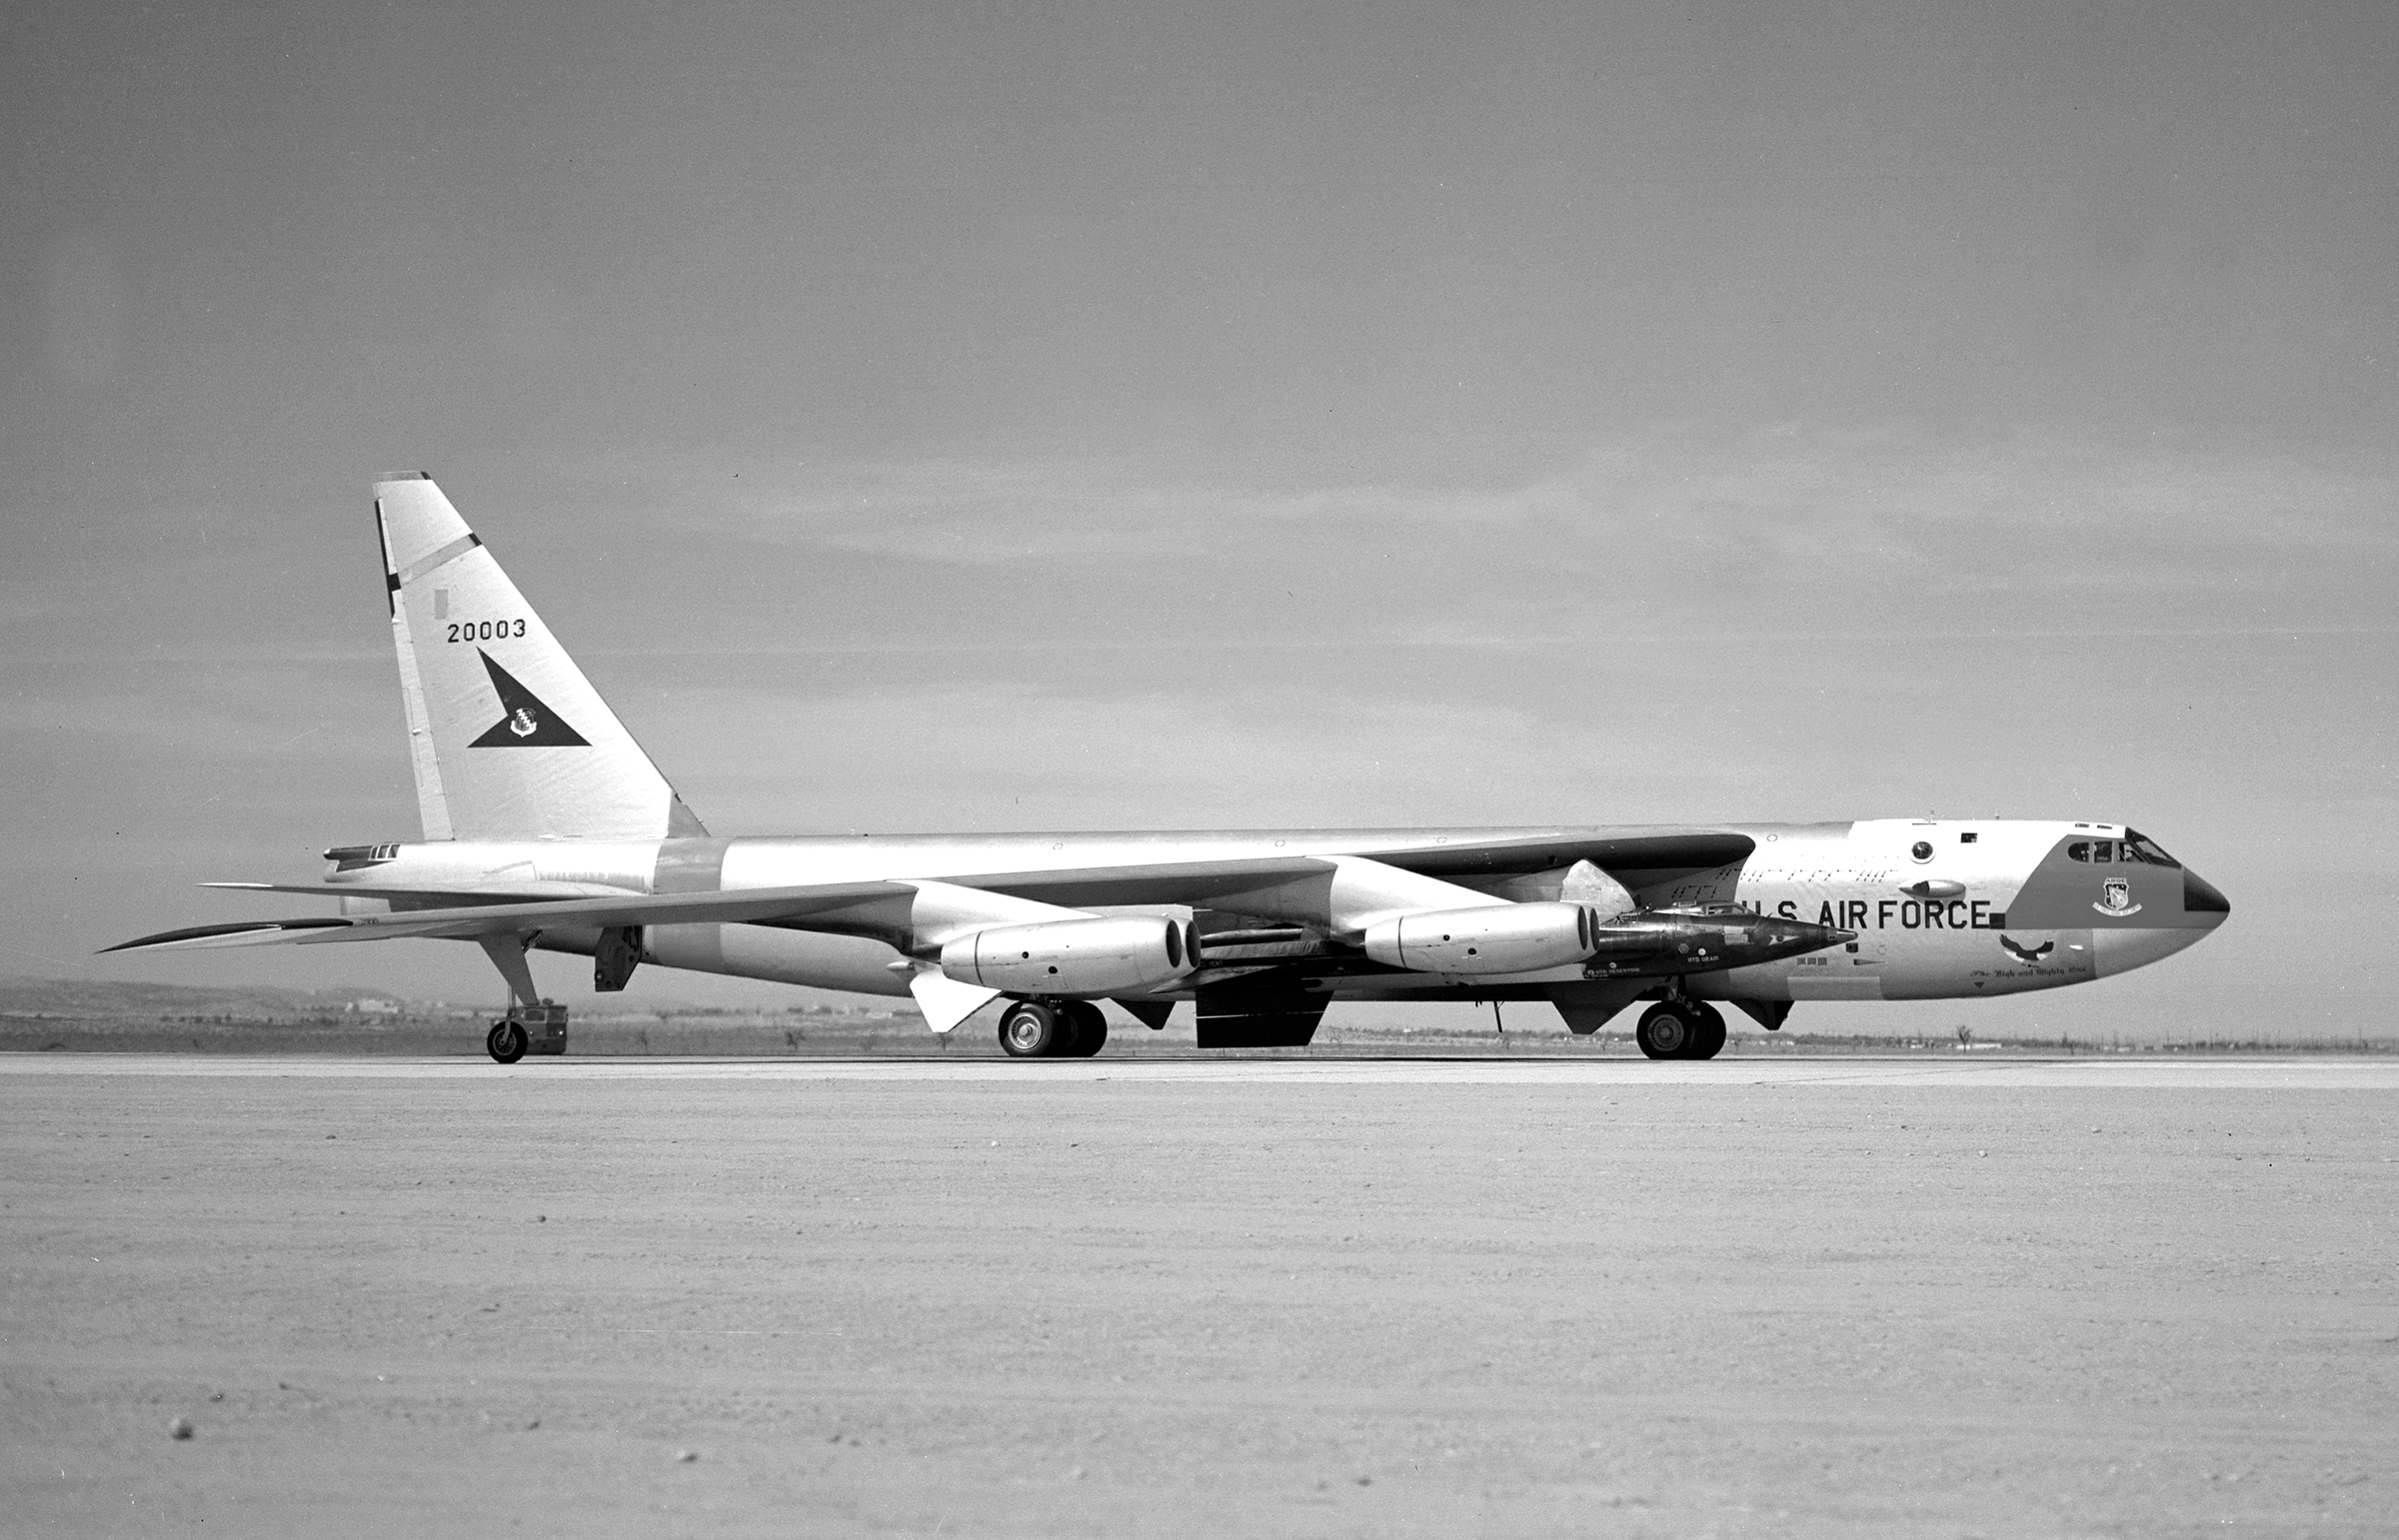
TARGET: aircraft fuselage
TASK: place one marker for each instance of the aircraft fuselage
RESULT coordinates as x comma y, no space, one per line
1941,909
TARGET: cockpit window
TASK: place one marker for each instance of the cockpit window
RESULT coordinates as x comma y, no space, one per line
2134,847
2137,846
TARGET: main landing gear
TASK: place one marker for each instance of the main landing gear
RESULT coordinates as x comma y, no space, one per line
1053,1029
1680,1030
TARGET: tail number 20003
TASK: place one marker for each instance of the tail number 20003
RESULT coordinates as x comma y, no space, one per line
485,631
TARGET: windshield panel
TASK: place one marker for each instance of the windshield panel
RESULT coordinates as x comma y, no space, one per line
2138,846
2135,847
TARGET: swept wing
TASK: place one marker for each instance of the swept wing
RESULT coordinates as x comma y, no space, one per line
469,921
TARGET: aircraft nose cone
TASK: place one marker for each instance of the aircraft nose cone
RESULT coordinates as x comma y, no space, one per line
2199,897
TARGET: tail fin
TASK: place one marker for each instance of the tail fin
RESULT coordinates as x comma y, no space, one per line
507,738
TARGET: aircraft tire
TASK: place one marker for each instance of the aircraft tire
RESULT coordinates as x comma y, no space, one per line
1664,1032
1708,1038
1030,1029
506,1043
1091,1030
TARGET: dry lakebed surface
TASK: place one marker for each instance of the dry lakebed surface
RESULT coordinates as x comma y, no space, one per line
1296,1296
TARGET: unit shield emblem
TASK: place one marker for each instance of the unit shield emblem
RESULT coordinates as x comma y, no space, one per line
2117,899
527,723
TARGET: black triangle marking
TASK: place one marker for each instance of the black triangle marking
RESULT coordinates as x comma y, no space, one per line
526,722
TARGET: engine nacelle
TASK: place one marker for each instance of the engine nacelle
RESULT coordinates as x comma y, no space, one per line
1123,955
1501,938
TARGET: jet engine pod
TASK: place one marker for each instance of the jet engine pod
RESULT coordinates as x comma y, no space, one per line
1124,955
1500,938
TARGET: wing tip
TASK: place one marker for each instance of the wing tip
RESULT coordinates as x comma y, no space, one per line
192,935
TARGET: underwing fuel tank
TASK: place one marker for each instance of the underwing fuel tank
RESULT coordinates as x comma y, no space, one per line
1654,942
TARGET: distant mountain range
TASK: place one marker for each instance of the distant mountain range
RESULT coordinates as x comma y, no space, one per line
104,1017
94,999
78,1000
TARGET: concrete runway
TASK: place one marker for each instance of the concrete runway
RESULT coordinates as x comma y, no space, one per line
2324,1073
1979,1295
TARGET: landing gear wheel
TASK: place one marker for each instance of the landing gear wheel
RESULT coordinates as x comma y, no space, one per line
1091,1030
1664,1032
1708,1038
1030,1029
505,1043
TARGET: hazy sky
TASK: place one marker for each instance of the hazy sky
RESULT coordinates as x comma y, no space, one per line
925,417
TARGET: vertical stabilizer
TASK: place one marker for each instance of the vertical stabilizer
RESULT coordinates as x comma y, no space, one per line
508,740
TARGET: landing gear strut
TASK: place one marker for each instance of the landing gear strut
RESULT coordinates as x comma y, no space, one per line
1053,1029
533,1025
1680,1030
528,1029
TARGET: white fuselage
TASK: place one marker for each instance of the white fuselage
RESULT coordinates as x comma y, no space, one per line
1953,937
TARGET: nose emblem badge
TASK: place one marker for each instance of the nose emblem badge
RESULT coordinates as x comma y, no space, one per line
2118,899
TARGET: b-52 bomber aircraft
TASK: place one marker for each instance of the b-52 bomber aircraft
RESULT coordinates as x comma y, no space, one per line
546,826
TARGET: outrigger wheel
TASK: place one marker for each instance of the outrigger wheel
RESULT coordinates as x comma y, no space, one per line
506,1041
1680,1030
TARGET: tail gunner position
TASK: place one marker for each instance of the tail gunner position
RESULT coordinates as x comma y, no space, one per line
546,826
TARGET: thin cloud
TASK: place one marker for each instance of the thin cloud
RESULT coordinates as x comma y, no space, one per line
1774,530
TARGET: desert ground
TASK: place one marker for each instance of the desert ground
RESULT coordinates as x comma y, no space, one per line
1298,1296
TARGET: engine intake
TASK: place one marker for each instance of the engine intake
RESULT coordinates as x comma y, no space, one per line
1123,955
